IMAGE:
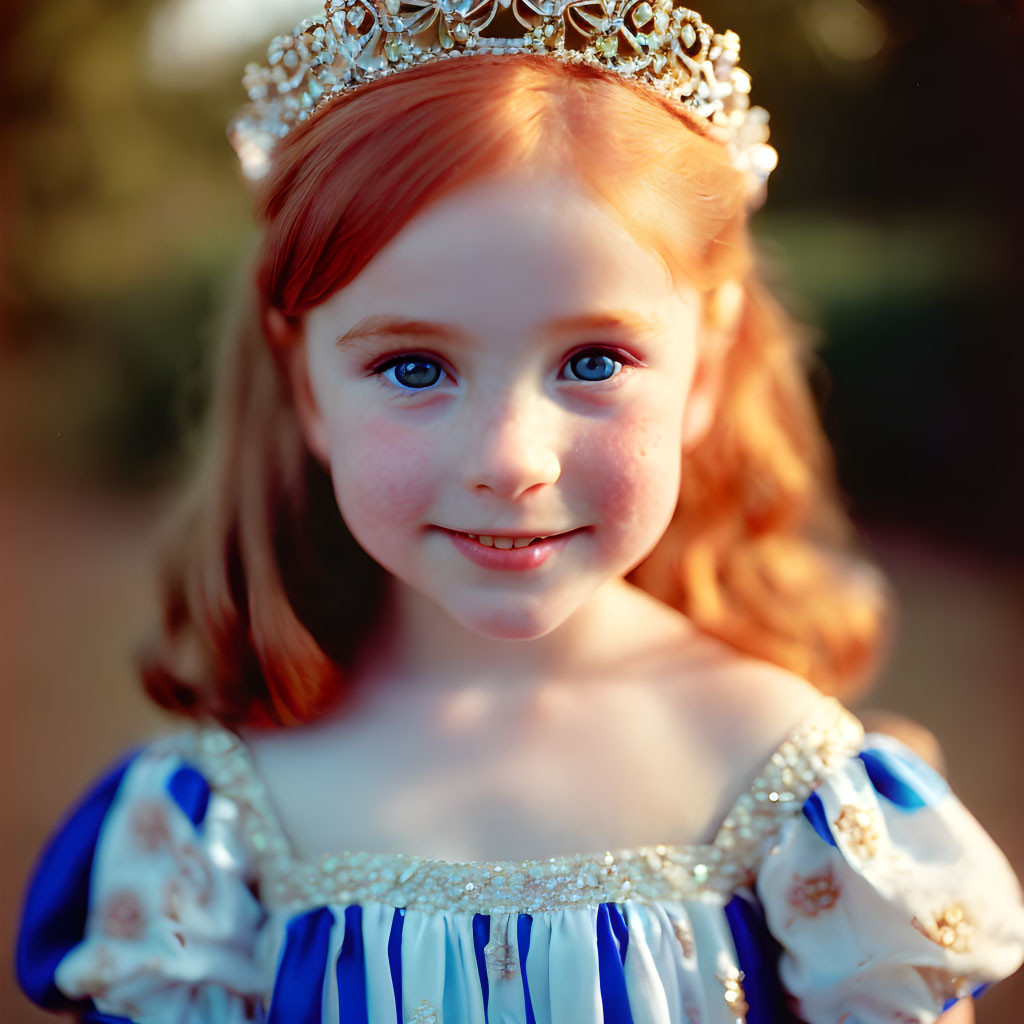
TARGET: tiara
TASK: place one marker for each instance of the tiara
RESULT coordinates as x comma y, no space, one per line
654,42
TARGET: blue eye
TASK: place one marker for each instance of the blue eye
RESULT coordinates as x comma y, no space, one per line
413,373
594,366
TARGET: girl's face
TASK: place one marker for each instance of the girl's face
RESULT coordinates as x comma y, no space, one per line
512,366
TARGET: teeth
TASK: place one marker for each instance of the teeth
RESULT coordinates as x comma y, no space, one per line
504,543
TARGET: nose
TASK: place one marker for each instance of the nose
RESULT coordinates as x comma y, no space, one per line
510,448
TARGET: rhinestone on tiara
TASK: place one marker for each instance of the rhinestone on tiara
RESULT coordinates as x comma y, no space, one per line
664,46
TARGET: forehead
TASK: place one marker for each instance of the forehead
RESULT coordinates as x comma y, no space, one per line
508,254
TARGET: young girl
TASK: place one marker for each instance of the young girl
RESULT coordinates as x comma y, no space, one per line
506,599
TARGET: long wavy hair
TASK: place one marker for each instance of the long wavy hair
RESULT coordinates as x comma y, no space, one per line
265,595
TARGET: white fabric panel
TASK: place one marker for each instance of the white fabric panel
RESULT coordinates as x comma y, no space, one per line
573,974
329,1010
423,960
673,969
380,993
648,998
682,964
440,981
463,996
676,967
716,957
537,967
506,1002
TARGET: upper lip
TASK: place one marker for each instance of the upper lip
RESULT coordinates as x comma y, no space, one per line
514,534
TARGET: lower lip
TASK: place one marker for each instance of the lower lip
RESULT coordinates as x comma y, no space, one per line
509,559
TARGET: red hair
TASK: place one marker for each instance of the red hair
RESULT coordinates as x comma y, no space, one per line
265,593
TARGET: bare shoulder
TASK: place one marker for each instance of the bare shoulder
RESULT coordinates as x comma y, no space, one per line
741,709
734,695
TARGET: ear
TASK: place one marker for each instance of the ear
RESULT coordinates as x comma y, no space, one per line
289,341
723,310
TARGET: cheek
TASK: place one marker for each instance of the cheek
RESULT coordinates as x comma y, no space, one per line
381,472
635,463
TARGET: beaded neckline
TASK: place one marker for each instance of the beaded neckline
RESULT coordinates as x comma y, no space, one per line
647,873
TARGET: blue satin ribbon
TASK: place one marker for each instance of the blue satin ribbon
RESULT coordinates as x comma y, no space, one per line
612,941
481,936
814,812
351,971
979,991
908,783
524,927
298,989
191,792
757,955
395,960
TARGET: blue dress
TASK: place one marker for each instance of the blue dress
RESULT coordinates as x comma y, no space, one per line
847,885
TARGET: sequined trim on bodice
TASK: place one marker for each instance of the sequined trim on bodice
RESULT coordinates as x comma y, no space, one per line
648,873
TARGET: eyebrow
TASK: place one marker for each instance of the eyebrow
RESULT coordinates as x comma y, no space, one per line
605,321
371,327
391,326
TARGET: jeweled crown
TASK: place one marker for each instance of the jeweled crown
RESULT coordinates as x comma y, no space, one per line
666,47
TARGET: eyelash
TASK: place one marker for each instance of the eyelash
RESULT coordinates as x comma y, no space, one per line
618,357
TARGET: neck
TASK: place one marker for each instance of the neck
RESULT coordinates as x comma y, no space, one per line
419,647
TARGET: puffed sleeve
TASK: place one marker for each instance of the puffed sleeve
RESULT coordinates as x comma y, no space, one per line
889,900
139,909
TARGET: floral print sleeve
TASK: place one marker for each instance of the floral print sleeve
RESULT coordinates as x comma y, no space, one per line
889,900
140,908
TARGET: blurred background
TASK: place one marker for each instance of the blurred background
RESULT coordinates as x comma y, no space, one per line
892,229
